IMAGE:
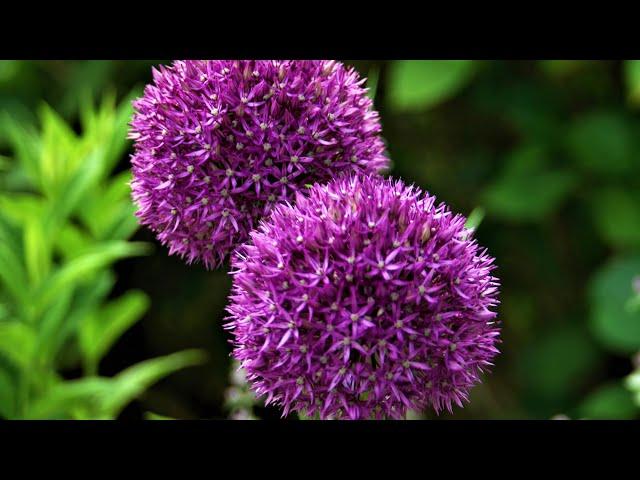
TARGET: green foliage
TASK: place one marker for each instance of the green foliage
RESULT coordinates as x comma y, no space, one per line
602,143
610,401
614,323
423,84
528,189
64,221
632,80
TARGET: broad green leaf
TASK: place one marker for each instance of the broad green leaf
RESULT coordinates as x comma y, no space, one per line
17,343
133,381
611,401
632,81
37,251
632,382
602,143
616,213
100,331
76,270
554,367
421,84
614,325
529,188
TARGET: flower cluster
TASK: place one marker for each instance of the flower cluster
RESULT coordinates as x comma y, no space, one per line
218,143
363,300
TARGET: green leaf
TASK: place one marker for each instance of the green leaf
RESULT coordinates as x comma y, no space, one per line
133,381
82,181
60,401
7,395
26,145
17,343
475,218
76,270
58,157
372,82
528,189
105,212
19,207
12,272
602,143
555,366
37,251
100,331
610,401
616,213
614,325
632,81
156,416
421,84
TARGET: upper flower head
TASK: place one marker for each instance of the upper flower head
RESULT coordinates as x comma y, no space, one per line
363,300
218,143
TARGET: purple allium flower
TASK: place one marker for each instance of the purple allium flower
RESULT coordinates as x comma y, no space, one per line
218,143
363,300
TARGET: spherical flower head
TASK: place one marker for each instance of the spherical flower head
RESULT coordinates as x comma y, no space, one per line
218,143
363,300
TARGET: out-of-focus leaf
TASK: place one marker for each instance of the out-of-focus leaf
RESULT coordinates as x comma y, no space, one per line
562,68
611,401
7,395
614,326
58,159
77,269
100,331
79,184
130,383
632,382
156,416
37,251
528,188
72,241
85,79
632,81
12,273
558,364
86,300
602,143
60,401
475,218
26,145
102,213
372,82
19,207
17,343
616,213
420,84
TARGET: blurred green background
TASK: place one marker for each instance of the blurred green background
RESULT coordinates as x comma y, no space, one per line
545,153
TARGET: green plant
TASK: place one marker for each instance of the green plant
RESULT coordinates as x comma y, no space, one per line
65,219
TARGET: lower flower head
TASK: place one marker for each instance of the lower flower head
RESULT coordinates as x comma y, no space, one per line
364,300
